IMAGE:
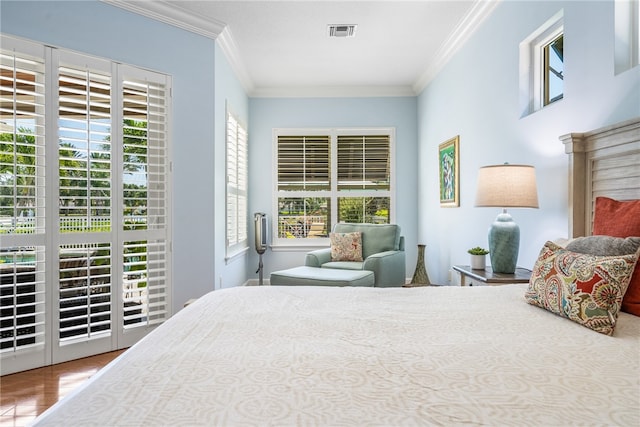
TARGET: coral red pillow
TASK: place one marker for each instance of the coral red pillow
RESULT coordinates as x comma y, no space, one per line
631,301
616,218
621,219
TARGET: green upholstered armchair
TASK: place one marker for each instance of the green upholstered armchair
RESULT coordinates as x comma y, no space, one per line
382,253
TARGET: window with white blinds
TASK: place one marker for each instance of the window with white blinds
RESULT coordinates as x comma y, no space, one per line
145,168
22,131
329,176
22,200
304,162
145,283
84,149
145,163
237,185
84,291
84,203
22,297
363,162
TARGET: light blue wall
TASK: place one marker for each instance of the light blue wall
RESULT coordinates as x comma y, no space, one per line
269,113
476,96
106,31
229,92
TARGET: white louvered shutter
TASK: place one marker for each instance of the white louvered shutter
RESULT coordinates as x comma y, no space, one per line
22,204
145,186
304,163
237,185
85,200
363,162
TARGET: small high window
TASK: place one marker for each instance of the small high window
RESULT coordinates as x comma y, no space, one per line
627,34
542,66
553,70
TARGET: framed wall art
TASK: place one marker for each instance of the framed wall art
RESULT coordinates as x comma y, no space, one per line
448,160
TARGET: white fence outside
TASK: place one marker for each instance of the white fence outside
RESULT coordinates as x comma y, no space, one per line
67,223
300,227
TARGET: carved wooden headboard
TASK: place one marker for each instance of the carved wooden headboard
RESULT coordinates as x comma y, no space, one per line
602,162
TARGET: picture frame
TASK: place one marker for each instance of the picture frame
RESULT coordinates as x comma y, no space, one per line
449,172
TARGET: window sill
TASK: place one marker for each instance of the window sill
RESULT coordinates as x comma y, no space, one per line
232,257
299,247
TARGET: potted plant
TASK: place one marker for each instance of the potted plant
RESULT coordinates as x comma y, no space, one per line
478,258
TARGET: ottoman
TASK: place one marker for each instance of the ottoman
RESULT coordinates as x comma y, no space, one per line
314,276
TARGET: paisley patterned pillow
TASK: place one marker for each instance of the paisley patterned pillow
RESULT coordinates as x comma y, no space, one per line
587,289
346,246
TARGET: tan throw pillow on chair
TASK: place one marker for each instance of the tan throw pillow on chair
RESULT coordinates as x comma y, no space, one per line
346,246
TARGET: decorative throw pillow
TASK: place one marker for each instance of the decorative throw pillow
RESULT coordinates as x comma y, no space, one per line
621,219
586,289
631,300
604,245
616,218
346,246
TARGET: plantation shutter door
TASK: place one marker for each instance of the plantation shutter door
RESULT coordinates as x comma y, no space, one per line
145,202
84,205
364,162
85,243
237,182
22,206
304,163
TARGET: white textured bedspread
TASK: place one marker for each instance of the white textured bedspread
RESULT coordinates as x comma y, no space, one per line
323,356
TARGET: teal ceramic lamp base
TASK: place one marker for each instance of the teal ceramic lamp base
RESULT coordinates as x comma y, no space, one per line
504,243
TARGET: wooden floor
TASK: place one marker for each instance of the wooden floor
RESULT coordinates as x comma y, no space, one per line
25,395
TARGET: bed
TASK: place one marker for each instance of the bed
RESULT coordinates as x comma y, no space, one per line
325,356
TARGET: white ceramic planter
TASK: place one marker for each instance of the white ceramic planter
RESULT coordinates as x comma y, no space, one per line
478,262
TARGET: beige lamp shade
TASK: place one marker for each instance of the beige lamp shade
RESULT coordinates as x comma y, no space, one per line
507,186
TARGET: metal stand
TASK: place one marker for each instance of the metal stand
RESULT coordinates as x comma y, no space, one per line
260,221
259,270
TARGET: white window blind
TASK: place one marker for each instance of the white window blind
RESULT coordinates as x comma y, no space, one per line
304,162
21,144
85,191
363,162
145,154
145,186
22,201
144,288
312,195
84,129
22,296
237,185
84,291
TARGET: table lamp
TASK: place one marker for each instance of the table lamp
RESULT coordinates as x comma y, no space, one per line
506,186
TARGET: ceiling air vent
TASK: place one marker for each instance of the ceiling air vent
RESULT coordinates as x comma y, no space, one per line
342,30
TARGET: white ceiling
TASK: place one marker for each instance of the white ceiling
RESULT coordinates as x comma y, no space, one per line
282,48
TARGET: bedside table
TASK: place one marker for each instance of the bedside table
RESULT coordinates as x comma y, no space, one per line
470,277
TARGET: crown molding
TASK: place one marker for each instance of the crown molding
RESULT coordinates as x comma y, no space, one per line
333,92
480,10
172,15
228,46
179,17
